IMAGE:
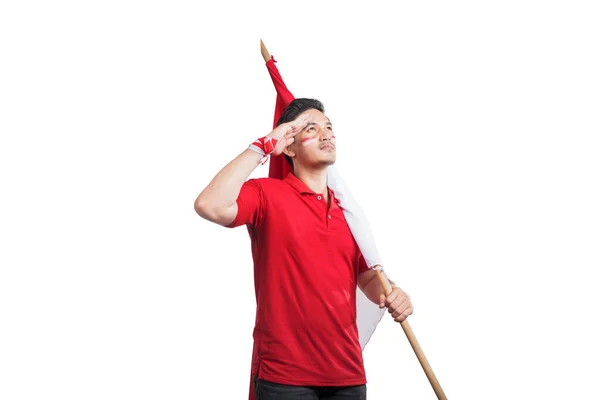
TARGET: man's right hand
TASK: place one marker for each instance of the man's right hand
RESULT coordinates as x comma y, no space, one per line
284,133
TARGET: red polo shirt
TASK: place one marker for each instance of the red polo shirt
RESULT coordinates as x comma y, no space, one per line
306,265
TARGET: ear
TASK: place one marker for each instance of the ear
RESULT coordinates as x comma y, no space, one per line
289,152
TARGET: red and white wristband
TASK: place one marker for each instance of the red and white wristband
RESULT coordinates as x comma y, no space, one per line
264,146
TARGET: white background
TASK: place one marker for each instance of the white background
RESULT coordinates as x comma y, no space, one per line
468,131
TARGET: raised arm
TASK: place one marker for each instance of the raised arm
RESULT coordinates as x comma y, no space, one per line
217,202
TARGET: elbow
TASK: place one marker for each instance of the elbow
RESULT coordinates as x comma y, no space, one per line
213,211
210,212
202,208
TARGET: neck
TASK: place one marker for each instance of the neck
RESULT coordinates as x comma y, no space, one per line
315,179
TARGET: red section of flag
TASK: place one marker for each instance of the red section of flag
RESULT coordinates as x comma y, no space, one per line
279,167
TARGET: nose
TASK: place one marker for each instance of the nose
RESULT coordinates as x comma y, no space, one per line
326,134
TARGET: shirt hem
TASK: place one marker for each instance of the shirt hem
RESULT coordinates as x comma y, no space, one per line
283,381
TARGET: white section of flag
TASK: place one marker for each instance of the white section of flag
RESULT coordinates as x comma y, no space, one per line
368,314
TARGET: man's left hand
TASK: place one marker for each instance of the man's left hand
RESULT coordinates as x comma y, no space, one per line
398,304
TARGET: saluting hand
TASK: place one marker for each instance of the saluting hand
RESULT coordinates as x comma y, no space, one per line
284,133
398,304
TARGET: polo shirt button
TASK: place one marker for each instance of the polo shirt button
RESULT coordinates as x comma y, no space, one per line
329,216
318,197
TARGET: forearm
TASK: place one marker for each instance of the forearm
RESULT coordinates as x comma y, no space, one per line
222,192
217,203
371,286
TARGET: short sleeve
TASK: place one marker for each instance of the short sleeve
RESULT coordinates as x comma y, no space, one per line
362,264
250,205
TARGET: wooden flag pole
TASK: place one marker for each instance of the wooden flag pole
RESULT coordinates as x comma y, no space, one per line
437,388
387,287
264,52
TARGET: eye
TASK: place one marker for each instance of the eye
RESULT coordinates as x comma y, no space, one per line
311,129
329,128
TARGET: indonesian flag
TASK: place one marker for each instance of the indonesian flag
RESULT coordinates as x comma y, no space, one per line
279,167
368,314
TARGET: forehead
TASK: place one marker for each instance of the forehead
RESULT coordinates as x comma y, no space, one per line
317,116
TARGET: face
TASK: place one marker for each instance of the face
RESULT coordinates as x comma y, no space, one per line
314,146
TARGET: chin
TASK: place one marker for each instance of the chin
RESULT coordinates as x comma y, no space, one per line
328,161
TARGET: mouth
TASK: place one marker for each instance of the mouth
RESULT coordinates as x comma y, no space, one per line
327,147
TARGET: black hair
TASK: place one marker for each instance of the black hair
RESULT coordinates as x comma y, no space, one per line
293,111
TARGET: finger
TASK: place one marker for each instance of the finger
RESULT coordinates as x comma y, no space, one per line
396,303
300,122
408,310
382,300
292,131
399,307
295,132
400,318
403,309
390,299
301,118
295,129
404,315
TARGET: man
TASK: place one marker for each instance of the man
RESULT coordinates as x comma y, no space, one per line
306,262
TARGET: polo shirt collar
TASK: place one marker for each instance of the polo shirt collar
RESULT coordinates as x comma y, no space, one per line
301,187
297,184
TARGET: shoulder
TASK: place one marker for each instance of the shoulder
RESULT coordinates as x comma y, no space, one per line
271,190
267,184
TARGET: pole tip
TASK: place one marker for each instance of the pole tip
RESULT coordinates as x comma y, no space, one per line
264,51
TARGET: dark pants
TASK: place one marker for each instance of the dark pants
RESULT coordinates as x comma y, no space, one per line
265,390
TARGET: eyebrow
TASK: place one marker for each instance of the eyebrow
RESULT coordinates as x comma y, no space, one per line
314,123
